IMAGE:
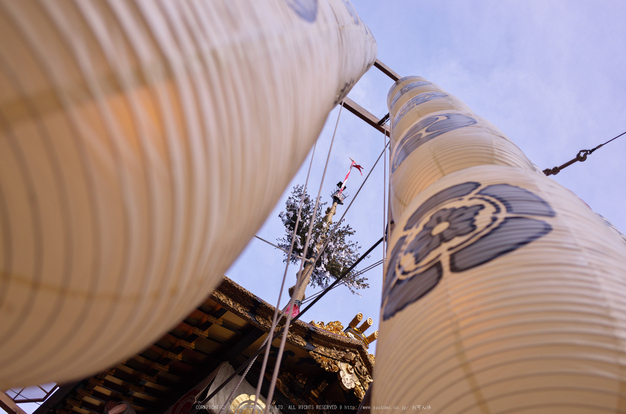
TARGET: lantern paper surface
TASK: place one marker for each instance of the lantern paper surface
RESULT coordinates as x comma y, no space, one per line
142,145
504,292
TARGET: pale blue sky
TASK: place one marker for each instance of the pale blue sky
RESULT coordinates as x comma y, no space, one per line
550,74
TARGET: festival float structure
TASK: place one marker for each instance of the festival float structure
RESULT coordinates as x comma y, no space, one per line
503,292
324,369
142,145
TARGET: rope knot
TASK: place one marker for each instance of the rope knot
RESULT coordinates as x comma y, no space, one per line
582,155
552,171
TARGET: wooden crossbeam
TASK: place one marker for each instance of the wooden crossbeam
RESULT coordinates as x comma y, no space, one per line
386,70
8,405
364,115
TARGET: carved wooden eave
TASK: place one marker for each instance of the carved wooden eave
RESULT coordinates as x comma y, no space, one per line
348,357
230,325
258,312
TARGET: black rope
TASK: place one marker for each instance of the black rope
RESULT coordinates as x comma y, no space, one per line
360,272
383,120
581,156
277,334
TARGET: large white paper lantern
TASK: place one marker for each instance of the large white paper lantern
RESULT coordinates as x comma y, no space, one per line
142,144
423,116
504,292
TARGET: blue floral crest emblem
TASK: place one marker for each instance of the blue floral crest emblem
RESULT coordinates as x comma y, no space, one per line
457,229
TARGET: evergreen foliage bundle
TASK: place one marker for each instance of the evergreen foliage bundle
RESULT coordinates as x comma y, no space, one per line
340,251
